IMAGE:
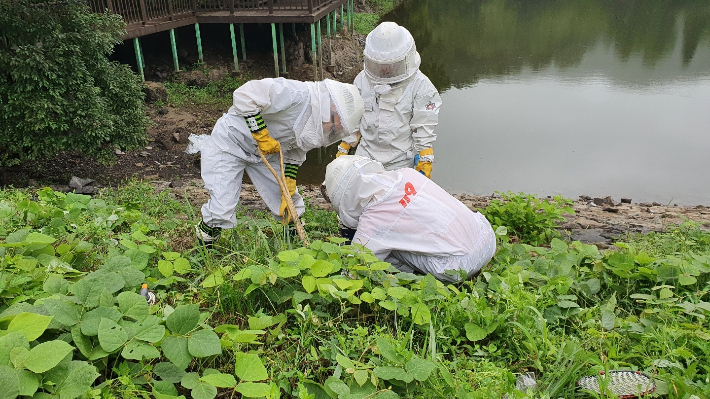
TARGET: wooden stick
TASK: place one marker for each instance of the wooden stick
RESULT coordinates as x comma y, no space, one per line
284,191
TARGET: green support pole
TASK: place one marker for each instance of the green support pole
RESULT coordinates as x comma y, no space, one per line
244,46
174,47
234,48
351,14
335,23
139,60
283,49
320,51
276,54
342,14
293,26
313,52
199,42
327,20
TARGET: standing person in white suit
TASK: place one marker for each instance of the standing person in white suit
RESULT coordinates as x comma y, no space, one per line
270,115
407,219
401,105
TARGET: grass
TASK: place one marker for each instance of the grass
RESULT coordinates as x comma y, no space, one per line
560,311
366,22
216,93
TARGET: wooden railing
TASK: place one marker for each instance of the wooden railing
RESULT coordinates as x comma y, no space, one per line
136,11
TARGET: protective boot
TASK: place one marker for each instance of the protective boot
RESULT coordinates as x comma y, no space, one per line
207,235
348,234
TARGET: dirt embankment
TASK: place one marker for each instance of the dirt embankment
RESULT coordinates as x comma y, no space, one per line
164,161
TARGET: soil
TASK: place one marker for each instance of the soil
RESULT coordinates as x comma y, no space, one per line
165,164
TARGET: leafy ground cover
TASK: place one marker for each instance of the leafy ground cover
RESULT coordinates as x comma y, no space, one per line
263,316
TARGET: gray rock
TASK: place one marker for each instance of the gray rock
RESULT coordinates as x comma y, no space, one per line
626,200
603,201
82,186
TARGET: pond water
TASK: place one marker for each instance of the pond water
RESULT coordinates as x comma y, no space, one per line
595,97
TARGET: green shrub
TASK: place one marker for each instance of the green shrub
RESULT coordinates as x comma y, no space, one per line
58,89
534,221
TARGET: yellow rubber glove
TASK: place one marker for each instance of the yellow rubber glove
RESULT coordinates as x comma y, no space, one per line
266,143
283,210
424,165
258,129
343,149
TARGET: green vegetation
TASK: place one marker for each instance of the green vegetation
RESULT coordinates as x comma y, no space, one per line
262,316
58,90
216,93
365,22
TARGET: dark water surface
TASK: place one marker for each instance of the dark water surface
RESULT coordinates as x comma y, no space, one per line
596,97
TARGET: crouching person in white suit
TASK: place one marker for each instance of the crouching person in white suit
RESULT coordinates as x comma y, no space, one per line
270,115
407,219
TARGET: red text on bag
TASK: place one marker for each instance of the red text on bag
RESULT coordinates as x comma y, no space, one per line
408,190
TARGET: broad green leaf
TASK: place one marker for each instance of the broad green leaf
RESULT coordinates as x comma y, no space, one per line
379,266
345,362
168,372
386,395
18,357
32,325
139,259
421,314
389,305
184,319
393,373
10,341
10,383
343,284
378,293
567,304
388,351
111,335
190,380
367,297
608,319
39,238
306,262
55,284
337,386
133,305
28,382
261,323
243,274
73,378
81,341
288,271
47,355
149,329
204,390
420,369
181,265
139,350
685,279
220,380
248,367
288,256
165,268
321,268
175,349
203,343
474,332
253,389
309,283
361,376
164,390
91,319
64,312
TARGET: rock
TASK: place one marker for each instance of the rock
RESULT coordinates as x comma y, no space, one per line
82,186
590,236
166,143
176,137
609,209
585,198
176,184
656,209
155,91
194,78
646,204
118,151
217,74
589,224
626,200
144,153
603,201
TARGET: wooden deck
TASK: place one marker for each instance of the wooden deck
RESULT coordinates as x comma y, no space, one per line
144,17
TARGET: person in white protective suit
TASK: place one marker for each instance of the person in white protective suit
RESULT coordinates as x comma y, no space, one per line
401,103
270,115
407,219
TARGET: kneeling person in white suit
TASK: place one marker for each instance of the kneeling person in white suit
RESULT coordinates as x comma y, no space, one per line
270,115
407,219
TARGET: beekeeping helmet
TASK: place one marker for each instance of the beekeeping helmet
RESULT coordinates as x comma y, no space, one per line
390,54
346,109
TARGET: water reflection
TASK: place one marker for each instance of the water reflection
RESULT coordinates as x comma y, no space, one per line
463,41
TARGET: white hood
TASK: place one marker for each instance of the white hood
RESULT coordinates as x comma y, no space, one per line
353,183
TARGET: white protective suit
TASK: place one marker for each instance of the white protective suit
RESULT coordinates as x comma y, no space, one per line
294,113
407,219
398,121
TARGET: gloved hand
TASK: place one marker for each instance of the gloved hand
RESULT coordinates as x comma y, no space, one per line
266,143
423,162
290,171
344,147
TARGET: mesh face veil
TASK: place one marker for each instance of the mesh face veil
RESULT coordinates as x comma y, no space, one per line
345,111
390,54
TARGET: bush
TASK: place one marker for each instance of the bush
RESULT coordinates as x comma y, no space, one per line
532,220
58,89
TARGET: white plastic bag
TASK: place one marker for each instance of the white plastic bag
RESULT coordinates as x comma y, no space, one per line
196,141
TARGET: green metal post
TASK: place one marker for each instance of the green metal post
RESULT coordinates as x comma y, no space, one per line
139,61
234,48
327,18
335,23
351,14
342,14
293,26
320,51
199,42
244,46
276,54
313,52
174,47
283,49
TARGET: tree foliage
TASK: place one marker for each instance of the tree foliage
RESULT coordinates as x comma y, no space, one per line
58,90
